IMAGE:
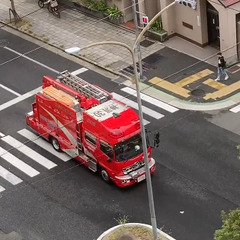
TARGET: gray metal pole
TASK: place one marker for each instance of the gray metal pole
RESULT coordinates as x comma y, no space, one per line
148,176
137,33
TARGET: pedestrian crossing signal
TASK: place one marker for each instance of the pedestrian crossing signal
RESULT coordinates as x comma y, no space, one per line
145,21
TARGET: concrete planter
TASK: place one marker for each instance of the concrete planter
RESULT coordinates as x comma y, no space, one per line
117,20
89,11
119,231
161,37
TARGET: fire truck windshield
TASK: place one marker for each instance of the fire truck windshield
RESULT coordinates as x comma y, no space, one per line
128,149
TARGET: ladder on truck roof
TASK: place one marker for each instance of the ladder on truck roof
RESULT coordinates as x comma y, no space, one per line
83,87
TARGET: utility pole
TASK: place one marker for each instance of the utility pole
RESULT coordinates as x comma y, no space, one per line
137,33
14,13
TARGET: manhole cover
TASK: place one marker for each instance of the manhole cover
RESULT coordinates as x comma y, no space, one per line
146,43
198,92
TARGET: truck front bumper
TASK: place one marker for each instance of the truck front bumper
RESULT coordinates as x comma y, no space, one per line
134,176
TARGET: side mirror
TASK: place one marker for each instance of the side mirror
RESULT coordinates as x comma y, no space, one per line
156,139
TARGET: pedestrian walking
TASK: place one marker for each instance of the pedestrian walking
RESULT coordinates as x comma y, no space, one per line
221,68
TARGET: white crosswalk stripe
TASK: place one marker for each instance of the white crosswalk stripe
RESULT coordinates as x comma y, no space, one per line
235,109
2,189
44,144
4,173
18,163
133,104
151,100
81,70
29,152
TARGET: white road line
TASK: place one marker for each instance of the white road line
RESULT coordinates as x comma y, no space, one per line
29,152
151,100
1,134
2,189
18,163
133,104
20,98
4,173
145,122
81,70
44,144
31,59
10,90
235,109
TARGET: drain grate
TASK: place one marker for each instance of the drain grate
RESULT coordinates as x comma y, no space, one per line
130,71
198,92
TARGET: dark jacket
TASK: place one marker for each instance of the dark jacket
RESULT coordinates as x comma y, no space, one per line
221,62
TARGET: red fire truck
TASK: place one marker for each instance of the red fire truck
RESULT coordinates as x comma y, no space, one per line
85,122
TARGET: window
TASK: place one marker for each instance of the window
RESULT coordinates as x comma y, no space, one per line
107,149
90,138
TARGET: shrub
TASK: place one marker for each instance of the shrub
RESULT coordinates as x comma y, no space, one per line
114,13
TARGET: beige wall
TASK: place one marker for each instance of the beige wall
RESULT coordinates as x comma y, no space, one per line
227,28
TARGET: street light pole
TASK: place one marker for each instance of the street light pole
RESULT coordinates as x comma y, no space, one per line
144,141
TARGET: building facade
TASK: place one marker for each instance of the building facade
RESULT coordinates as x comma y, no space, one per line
212,22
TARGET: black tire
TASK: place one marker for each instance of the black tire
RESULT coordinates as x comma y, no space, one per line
41,4
55,144
104,175
49,8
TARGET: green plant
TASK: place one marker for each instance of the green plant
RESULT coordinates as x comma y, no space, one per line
238,149
114,13
101,6
157,26
122,220
231,226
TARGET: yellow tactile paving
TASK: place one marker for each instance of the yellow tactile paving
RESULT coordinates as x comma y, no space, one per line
193,78
217,85
170,87
223,91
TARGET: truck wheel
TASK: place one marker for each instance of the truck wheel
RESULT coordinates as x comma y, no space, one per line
55,144
104,175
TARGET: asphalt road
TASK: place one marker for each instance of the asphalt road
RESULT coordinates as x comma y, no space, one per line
197,172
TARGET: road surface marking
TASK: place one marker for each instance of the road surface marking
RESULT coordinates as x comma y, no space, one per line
81,70
133,104
43,144
214,84
193,78
151,100
10,90
171,87
4,173
29,152
20,98
223,91
18,163
1,134
31,59
235,109
2,188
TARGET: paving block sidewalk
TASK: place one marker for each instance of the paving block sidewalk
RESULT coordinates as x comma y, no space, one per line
76,29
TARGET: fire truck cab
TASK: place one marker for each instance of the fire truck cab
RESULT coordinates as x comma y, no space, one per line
88,124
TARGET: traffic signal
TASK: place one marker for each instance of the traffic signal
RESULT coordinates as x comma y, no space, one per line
190,3
145,21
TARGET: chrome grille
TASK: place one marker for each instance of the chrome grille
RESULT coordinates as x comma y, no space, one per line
134,167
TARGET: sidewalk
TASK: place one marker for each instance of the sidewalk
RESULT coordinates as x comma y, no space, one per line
76,29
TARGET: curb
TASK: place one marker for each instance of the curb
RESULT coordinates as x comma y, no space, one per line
162,234
10,236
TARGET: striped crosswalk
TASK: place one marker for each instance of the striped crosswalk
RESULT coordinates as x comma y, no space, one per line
19,168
